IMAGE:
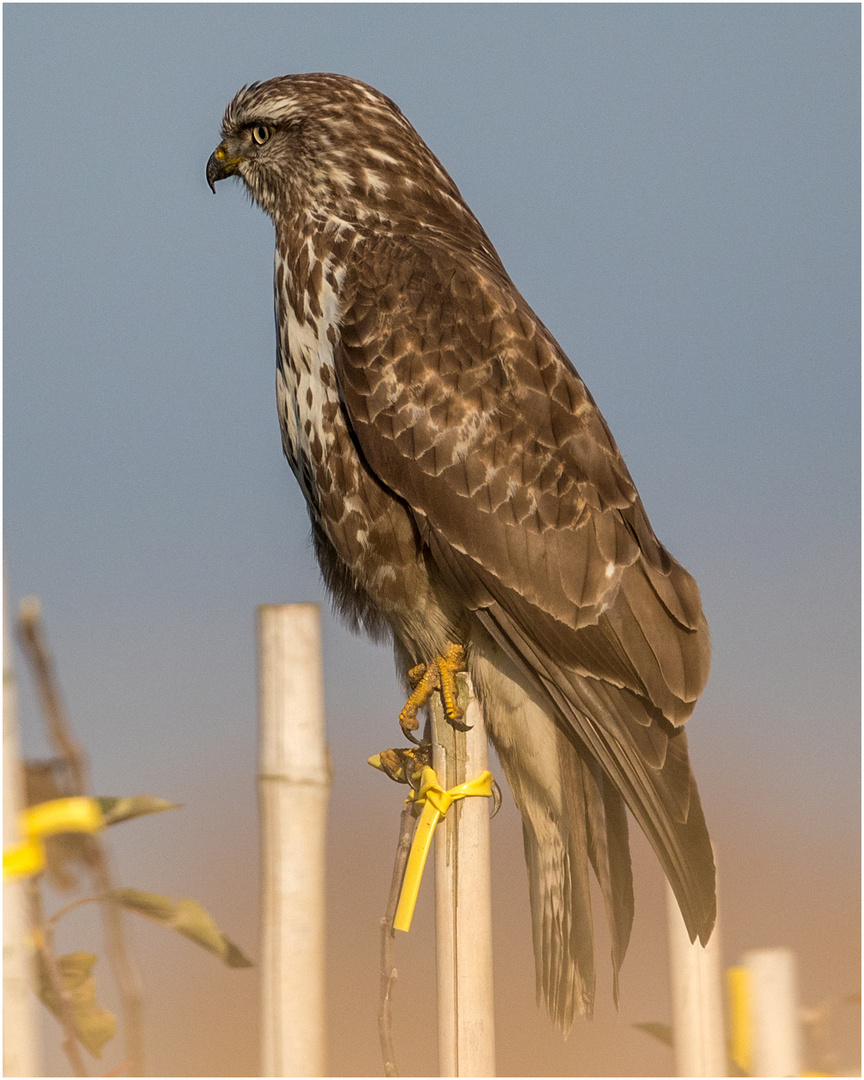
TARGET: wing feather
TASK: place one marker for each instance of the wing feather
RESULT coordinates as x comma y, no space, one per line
533,521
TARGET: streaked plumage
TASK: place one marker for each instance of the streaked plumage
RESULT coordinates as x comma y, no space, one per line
463,487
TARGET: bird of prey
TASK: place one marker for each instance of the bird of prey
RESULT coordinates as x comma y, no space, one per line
468,501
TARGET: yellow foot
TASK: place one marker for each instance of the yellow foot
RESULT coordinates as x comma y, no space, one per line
439,675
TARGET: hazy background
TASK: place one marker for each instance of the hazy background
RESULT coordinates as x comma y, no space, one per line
675,189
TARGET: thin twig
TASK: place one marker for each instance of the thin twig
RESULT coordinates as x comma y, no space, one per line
32,638
55,918
43,934
120,1070
388,971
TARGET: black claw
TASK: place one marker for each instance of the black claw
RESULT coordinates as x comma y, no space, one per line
497,798
409,735
459,725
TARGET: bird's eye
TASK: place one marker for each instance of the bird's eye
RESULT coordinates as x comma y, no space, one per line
260,134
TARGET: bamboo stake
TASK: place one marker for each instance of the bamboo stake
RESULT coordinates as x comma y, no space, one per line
697,998
774,1012
19,1032
294,786
463,898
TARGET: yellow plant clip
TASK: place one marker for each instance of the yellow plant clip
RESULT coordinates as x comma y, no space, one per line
23,860
76,814
435,802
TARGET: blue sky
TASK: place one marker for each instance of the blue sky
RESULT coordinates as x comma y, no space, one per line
675,190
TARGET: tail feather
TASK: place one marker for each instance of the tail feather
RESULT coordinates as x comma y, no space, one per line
603,744
609,852
573,821
561,920
662,797
664,800
596,822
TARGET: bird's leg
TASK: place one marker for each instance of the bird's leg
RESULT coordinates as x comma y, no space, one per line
439,675
448,665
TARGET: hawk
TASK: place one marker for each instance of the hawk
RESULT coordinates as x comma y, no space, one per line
469,502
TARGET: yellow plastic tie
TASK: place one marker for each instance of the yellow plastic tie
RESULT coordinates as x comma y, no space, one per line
24,860
436,802
76,814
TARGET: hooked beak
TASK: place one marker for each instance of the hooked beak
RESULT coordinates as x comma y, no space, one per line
220,165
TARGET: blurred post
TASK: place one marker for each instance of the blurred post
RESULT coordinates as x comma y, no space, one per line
740,1019
696,980
294,786
463,899
774,1012
19,1029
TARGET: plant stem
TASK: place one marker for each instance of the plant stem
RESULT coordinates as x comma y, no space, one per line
32,637
42,933
388,971
55,918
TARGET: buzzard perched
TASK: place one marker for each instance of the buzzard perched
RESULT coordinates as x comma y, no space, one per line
467,499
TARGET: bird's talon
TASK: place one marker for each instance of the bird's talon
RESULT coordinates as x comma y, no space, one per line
408,722
448,665
497,798
425,680
408,717
408,733
416,673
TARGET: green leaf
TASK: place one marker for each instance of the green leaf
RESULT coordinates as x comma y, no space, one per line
663,1032
127,807
153,905
188,918
235,957
94,1026
196,923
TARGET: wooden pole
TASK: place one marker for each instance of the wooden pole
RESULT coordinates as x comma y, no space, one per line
463,897
19,1029
696,982
773,999
294,786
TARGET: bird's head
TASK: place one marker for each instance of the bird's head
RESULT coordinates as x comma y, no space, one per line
335,148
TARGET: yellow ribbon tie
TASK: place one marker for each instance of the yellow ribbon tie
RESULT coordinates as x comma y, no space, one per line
436,802
77,814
